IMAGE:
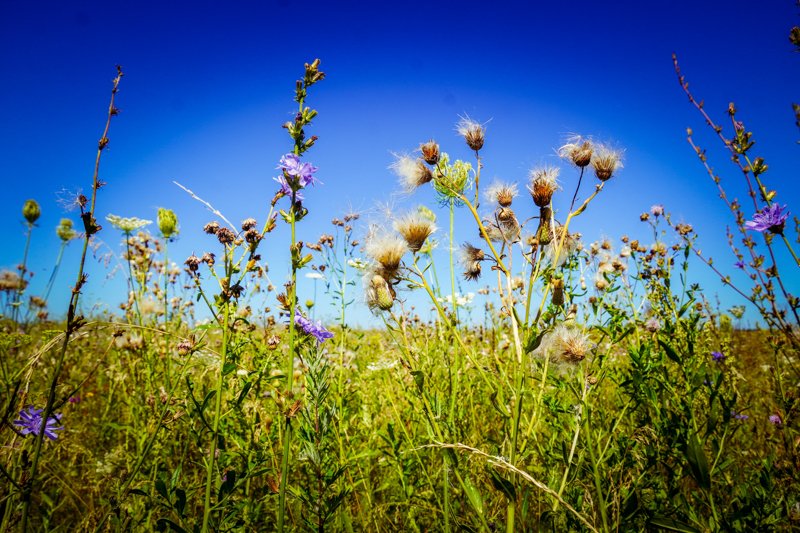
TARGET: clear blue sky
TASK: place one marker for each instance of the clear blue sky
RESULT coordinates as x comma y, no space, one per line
208,85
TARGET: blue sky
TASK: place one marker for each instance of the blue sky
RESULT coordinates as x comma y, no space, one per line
208,85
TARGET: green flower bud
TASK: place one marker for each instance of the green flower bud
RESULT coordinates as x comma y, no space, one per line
31,211
167,222
64,230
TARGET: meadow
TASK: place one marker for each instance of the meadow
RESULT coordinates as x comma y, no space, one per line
597,387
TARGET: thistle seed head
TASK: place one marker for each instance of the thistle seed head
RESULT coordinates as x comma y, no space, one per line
543,183
577,151
570,345
211,228
415,229
387,251
606,162
412,172
474,133
502,193
430,152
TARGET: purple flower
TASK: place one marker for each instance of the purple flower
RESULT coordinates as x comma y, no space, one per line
657,210
294,168
286,189
315,330
775,420
718,357
30,421
738,416
771,219
739,264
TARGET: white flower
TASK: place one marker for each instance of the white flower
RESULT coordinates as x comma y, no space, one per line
127,224
357,263
314,275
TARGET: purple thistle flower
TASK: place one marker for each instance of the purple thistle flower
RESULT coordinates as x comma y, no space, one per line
772,219
775,420
30,422
315,330
718,357
657,210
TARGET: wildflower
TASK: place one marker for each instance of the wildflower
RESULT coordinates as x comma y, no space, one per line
578,151
502,193
775,420
657,210
192,263
606,162
248,224
31,211
387,251
64,230
314,275
473,132
415,229
739,264
718,357
450,181
211,228
412,172
471,258
543,183
127,224
167,222
225,236
30,422
569,344
461,300
357,263
208,258
302,174
738,416
316,330
652,325
508,224
430,152
771,219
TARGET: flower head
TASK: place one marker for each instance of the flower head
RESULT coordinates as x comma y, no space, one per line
412,172
127,224
657,210
474,133
295,175
606,161
771,219
415,228
544,182
30,422
775,420
167,222
502,193
316,330
718,357
578,151
31,211
64,230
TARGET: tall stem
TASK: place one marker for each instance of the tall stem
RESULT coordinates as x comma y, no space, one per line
23,270
72,324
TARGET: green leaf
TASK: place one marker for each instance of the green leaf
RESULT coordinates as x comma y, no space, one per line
503,485
670,351
161,488
163,523
670,524
180,501
419,379
474,496
698,462
247,386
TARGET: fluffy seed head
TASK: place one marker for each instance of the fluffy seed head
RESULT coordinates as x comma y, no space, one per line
387,251
430,152
606,162
415,229
473,132
570,345
578,151
412,172
543,183
502,193
471,258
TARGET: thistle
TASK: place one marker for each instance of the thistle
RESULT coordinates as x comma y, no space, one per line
578,152
412,172
606,162
543,183
415,229
474,133
430,152
387,251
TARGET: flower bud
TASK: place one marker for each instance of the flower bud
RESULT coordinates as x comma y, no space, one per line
167,222
64,230
31,211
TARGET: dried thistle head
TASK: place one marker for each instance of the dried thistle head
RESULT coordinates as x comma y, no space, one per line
502,193
543,183
430,152
570,345
225,236
474,133
387,251
577,151
412,172
606,161
415,229
508,224
471,258
248,224
211,228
